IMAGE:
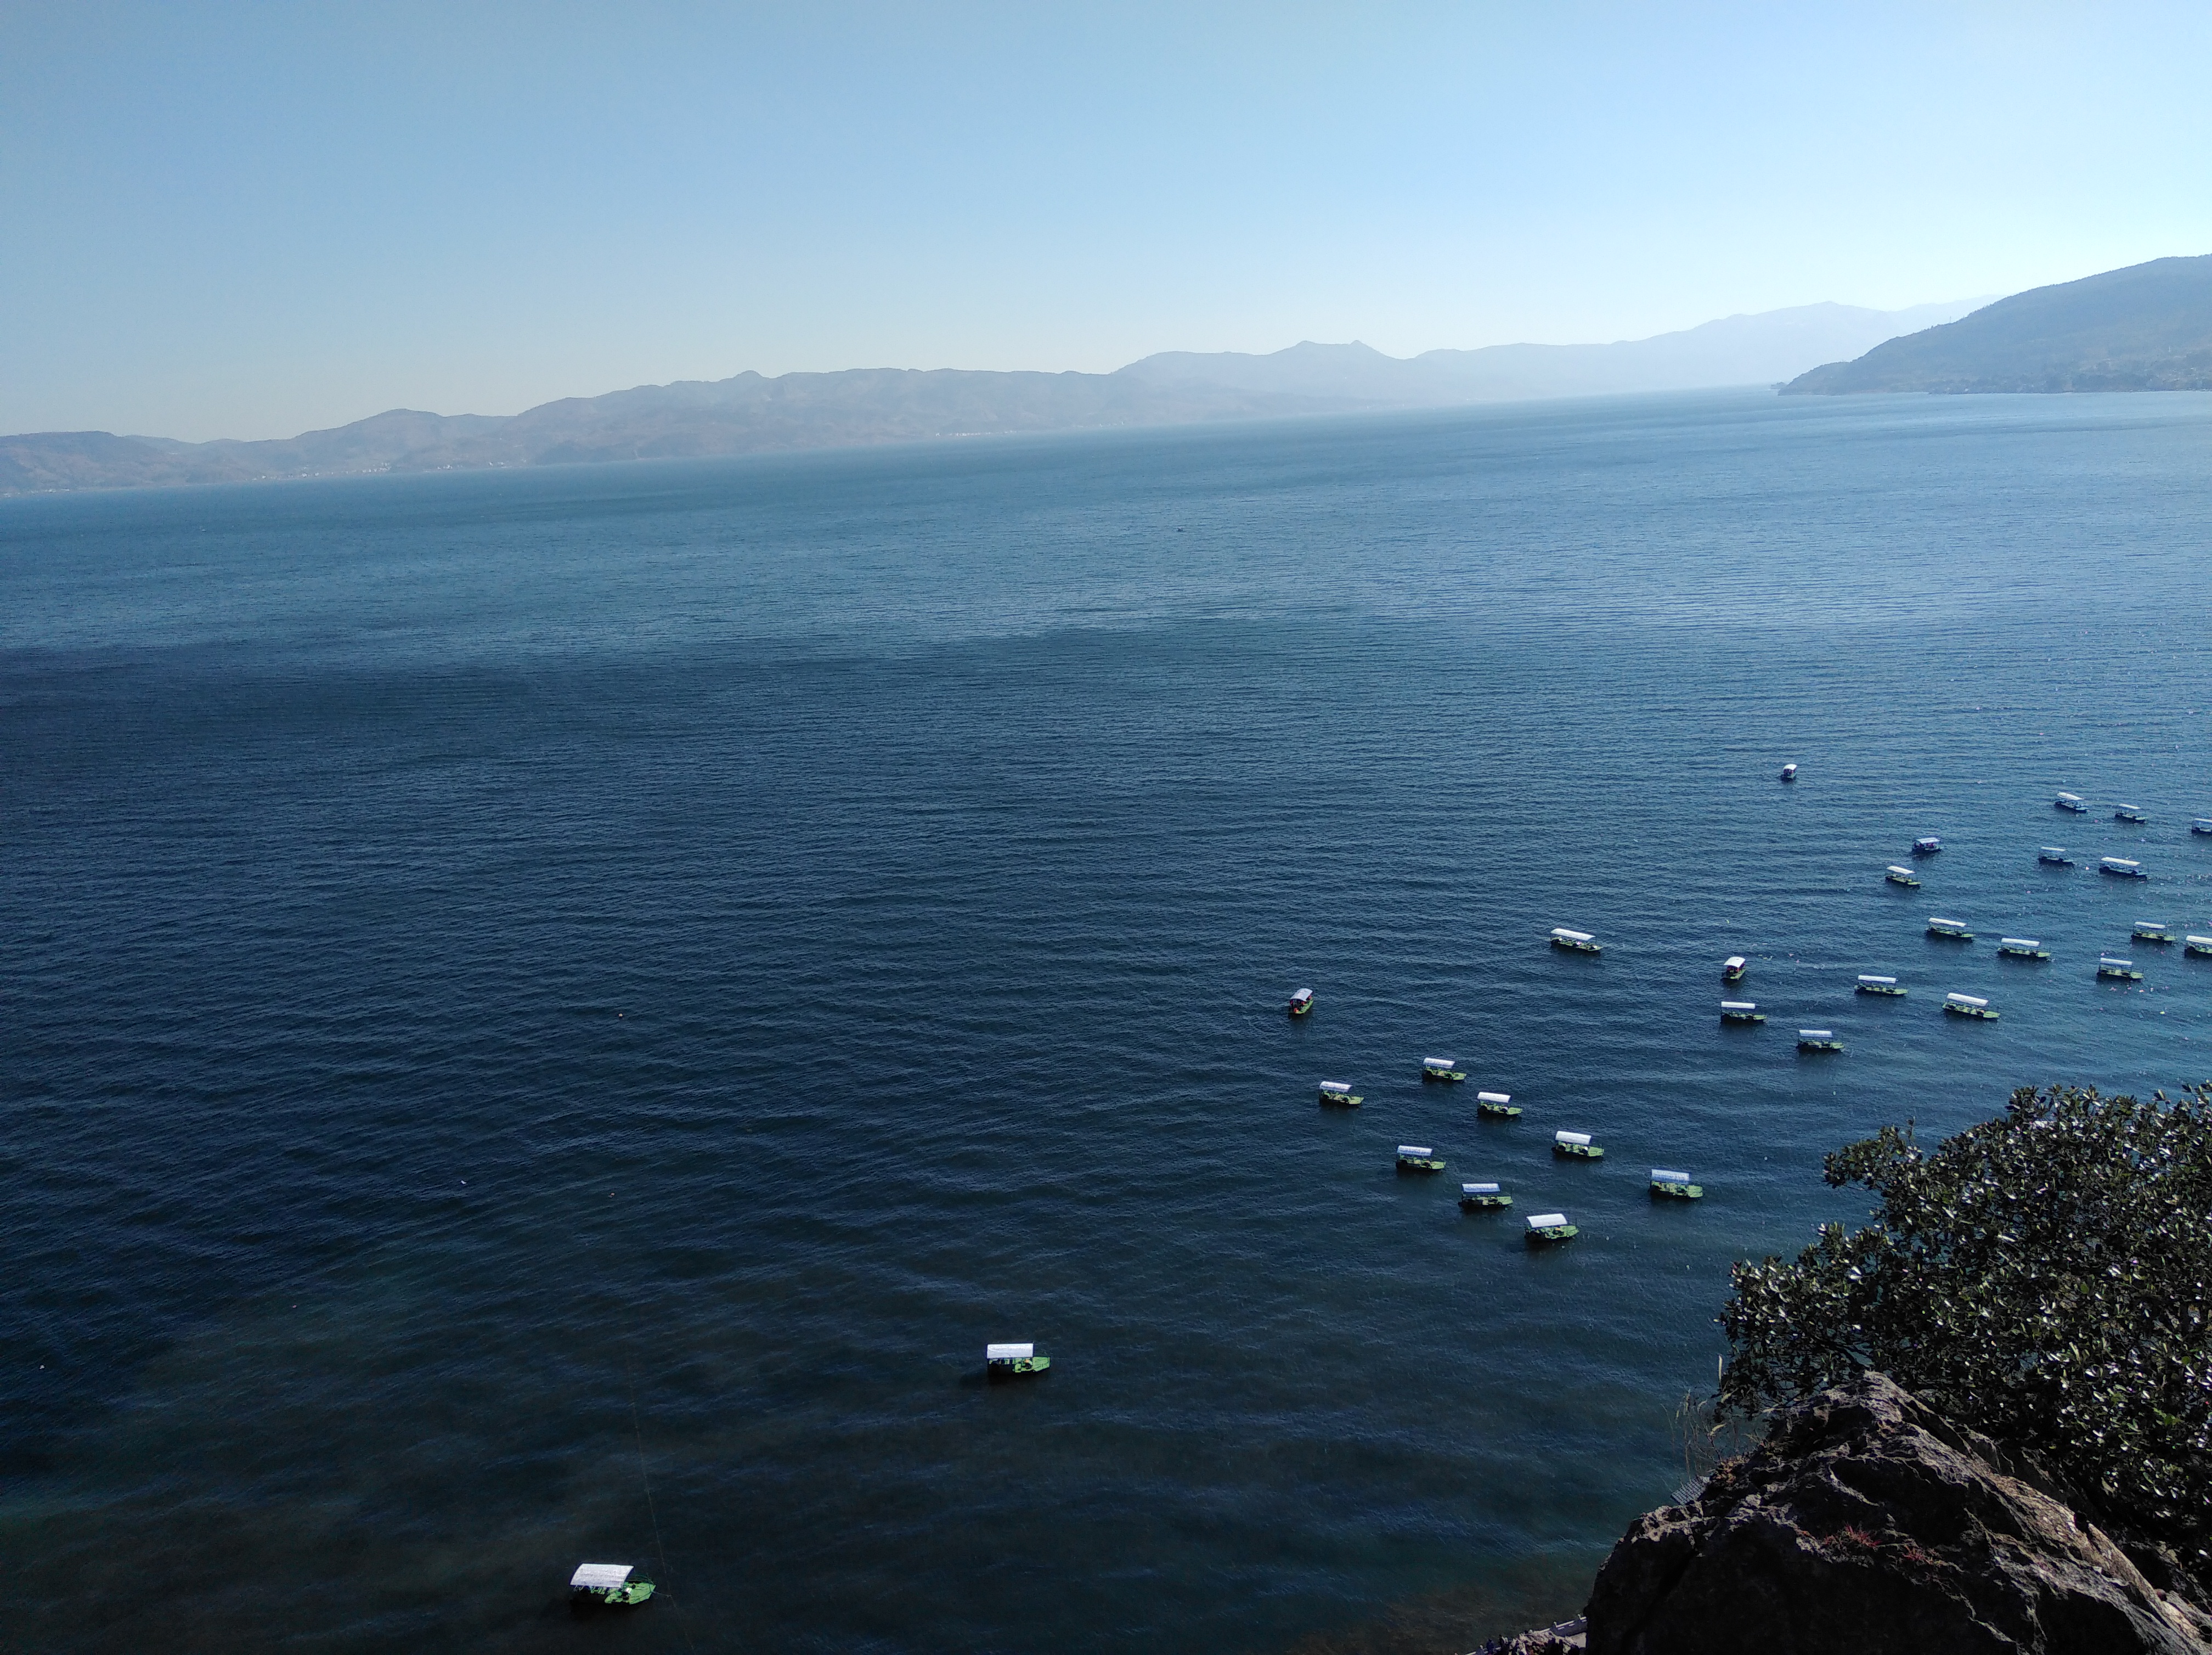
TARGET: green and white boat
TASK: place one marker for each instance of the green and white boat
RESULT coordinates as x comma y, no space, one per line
1818,1040
609,1585
1675,1186
1004,1362
1340,1092
1576,1146
1497,1105
1969,1005
1419,1158
1481,1197
1871,984
2152,931
2201,946
1741,1011
1301,1002
2118,971
2121,867
2022,948
1439,1068
1550,1227
1575,942
1951,930
1899,875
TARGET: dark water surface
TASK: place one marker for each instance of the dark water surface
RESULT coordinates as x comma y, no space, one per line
552,1015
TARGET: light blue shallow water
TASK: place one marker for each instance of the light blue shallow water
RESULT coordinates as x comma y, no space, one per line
552,1015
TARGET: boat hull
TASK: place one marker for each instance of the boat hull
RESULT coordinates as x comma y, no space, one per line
1553,1232
1412,1164
1499,1111
1670,1190
1891,990
1820,1045
1979,1013
1578,1152
1441,1074
1021,1367
1483,1203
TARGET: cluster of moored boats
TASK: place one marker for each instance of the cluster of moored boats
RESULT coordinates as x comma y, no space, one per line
1491,1195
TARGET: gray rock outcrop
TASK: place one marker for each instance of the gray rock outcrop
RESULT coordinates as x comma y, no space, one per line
1868,1524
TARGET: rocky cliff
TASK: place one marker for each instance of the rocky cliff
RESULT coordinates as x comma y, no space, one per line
1868,1524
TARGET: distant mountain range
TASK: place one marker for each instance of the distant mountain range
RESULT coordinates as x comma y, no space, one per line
2147,327
749,413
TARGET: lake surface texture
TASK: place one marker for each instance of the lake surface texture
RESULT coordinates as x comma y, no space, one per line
551,1016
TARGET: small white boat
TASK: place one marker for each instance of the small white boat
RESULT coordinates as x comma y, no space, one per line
2152,931
1419,1158
1665,1181
1896,874
2128,813
1969,1005
617,1586
1474,1197
2121,868
1733,968
1927,845
2117,971
2200,825
1789,772
1741,1011
1301,1002
1013,1361
1954,929
1575,942
2054,856
1869,983
1340,1092
1498,1105
2074,802
1575,1146
1440,1068
2022,948
1818,1040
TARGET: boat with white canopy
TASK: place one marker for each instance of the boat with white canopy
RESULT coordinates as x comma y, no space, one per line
1676,1186
1733,968
1575,942
2022,948
614,1586
1498,1105
1014,1361
2152,931
2128,813
1969,1005
1927,845
1340,1092
2113,969
1818,1040
1301,1002
1481,1197
1896,874
2121,868
1440,1068
1954,929
2073,802
1871,982
1789,772
2054,856
1575,1146
2200,825
1419,1158
2198,946
1741,1011
1551,1226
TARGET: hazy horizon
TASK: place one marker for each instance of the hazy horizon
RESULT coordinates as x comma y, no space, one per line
255,221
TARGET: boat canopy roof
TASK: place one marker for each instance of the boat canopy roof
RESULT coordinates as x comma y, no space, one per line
1816,1034
2114,959
2206,941
1571,1137
1494,1097
1572,936
1928,839
2119,861
2052,850
1303,994
2019,942
1898,867
1965,1000
590,1577
1008,1353
1415,1149
2117,805
1546,1220
1478,1188
1868,977
1937,919
1732,962
1739,1004
2152,925
1663,1175
1336,1086
2075,797
2202,822
1437,1063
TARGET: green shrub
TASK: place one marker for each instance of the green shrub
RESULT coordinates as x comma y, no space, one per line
2045,1278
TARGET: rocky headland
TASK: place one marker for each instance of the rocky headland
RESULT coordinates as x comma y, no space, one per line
1866,1523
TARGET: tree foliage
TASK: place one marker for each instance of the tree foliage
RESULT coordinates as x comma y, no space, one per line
2045,1277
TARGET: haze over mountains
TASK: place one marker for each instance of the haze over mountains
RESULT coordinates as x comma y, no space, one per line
2147,327
749,413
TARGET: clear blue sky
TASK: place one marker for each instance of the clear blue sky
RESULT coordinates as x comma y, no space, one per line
252,219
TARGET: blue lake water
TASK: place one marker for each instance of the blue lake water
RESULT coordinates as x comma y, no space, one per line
551,1015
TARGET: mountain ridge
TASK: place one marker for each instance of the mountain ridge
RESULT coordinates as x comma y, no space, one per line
750,412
